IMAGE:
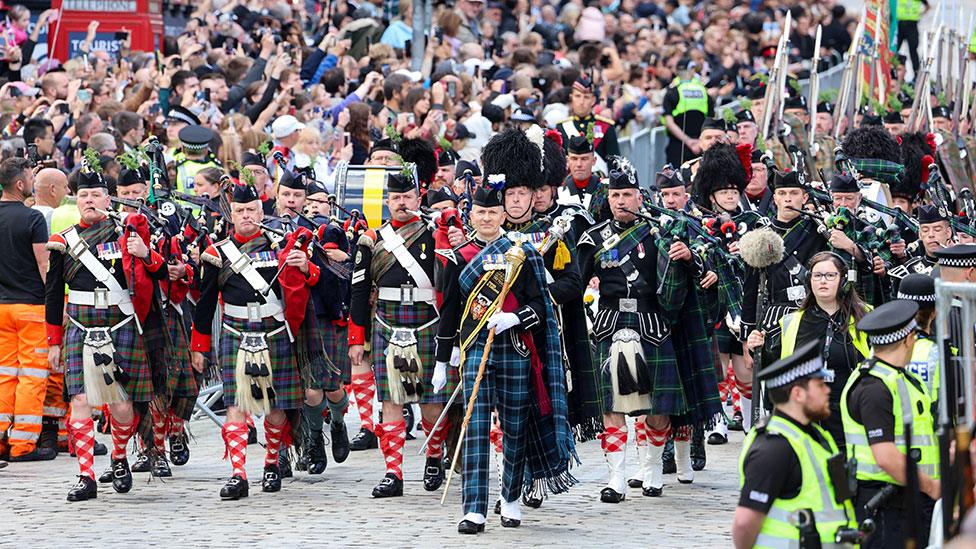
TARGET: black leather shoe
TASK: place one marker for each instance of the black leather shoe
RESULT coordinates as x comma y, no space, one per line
635,483
433,474
284,465
652,492
609,495
667,458
179,450
105,477
389,487
161,468
236,488
510,522
121,476
37,454
498,507
365,440
318,460
468,527
272,479
698,449
141,464
99,449
340,442
735,424
85,489
716,439
532,502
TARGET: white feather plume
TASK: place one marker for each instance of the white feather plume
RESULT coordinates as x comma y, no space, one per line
537,136
625,167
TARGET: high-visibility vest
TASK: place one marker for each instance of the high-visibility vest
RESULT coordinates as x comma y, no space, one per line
909,10
186,170
790,325
910,404
816,492
925,365
692,96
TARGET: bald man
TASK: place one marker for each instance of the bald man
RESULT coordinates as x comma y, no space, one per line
50,188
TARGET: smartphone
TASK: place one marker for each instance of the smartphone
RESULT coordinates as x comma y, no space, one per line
154,109
385,69
345,138
452,89
63,108
411,119
230,45
176,62
121,35
203,95
32,152
84,96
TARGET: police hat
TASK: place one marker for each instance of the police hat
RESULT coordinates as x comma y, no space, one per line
196,138
960,255
805,362
182,114
919,288
889,323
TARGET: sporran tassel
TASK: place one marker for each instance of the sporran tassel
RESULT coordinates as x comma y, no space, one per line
104,378
254,376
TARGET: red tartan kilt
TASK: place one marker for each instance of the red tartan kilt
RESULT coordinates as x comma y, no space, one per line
128,345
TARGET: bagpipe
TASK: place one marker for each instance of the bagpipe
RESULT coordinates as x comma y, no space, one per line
316,239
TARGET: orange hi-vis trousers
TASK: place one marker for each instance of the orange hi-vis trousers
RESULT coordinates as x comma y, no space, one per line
23,376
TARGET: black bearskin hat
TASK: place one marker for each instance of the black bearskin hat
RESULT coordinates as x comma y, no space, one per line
421,153
872,142
914,146
512,154
719,169
553,163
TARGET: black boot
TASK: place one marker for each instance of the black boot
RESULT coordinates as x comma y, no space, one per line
433,474
85,489
179,450
161,468
609,495
37,454
698,449
106,477
141,464
315,449
340,442
49,435
236,488
667,458
121,476
389,487
272,479
529,501
284,464
365,440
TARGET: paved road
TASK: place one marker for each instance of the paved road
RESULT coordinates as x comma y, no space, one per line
335,508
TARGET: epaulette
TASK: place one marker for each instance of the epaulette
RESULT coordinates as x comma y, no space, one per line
56,243
367,239
587,237
212,256
602,119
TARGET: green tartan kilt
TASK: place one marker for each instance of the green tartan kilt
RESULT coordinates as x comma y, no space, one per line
128,345
335,339
667,395
409,316
287,380
188,382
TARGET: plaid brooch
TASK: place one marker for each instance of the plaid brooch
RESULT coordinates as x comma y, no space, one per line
878,169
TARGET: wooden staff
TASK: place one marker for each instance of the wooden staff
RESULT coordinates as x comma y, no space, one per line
515,257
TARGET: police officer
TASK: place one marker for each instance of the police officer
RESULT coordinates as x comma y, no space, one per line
686,105
194,156
785,467
881,397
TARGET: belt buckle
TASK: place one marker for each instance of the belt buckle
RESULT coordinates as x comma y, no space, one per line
253,312
101,298
796,293
627,305
406,294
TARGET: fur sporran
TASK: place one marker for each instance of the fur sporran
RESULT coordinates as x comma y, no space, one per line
405,371
255,379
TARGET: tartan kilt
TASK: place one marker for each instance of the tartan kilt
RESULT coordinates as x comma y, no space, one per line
398,315
334,337
128,345
188,382
727,343
289,393
667,395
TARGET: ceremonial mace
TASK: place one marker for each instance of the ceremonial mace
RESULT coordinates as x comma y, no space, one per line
515,256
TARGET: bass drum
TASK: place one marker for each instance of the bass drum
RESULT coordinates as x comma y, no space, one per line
879,193
363,188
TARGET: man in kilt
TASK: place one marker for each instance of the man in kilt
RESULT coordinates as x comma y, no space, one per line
109,275
497,313
643,282
398,261
264,291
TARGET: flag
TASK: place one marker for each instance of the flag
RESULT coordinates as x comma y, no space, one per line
877,30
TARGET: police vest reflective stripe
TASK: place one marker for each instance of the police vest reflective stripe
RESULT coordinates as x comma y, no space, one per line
692,96
925,365
791,327
913,404
816,493
909,10
186,170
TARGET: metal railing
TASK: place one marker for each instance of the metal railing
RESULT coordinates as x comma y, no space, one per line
645,148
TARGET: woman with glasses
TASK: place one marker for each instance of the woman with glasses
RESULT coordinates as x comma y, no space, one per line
829,313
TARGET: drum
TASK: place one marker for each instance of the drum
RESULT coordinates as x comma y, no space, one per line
879,193
363,188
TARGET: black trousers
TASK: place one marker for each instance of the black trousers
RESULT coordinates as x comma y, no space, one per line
908,32
890,520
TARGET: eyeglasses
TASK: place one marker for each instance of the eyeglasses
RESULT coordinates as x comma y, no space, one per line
830,277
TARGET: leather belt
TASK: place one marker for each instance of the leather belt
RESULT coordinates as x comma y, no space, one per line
247,312
407,295
628,305
101,298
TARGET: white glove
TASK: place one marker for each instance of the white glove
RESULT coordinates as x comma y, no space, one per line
503,321
456,357
439,380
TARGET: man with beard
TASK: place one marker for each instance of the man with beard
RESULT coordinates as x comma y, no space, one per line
784,463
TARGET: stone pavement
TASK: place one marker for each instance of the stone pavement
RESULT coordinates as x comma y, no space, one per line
335,509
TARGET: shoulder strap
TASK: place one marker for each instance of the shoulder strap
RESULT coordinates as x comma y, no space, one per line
241,264
395,244
79,249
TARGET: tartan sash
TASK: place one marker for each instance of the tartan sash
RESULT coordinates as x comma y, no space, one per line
384,259
483,288
255,246
99,233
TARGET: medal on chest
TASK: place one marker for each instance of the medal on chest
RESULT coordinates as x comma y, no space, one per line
109,251
493,262
262,260
423,250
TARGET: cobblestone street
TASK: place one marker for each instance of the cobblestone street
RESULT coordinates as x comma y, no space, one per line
335,509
